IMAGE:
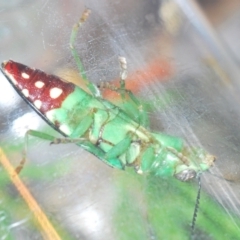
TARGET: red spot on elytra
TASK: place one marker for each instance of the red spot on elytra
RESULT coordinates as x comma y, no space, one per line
20,73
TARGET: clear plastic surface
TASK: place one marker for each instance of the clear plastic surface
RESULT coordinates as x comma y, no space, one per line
188,73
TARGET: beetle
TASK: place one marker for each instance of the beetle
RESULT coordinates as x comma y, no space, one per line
108,131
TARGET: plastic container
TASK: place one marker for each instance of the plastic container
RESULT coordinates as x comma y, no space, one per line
179,64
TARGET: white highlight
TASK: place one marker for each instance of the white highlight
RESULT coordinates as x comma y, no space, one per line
140,171
25,75
25,92
92,219
55,92
50,115
25,122
38,103
65,129
39,84
11,77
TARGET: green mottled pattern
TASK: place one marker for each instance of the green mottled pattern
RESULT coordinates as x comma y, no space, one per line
117,140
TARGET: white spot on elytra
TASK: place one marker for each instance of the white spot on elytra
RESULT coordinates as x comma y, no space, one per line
65,129
25,75
39,84
25,92
38,103
55,92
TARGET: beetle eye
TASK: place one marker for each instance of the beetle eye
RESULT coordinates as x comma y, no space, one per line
186,175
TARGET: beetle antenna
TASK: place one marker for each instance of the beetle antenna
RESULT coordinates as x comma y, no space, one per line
196,205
